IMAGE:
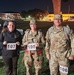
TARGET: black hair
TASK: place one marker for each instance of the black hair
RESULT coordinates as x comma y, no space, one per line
11,21
5,24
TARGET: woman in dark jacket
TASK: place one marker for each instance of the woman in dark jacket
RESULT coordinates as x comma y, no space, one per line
11,41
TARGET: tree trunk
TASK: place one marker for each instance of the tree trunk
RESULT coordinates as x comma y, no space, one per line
56,6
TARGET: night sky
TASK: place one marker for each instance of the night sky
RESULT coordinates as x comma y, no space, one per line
20,5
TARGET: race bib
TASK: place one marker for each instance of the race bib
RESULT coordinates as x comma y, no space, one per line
63,69
11,46
31,46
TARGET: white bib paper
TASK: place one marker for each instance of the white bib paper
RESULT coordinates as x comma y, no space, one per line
31,46
11,46
63,69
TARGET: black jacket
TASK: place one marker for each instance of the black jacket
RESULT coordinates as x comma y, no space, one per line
10,37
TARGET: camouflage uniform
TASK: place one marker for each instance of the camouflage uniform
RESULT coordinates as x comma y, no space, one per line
58,47
72,45
35,56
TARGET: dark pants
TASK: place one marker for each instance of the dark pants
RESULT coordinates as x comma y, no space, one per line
11,65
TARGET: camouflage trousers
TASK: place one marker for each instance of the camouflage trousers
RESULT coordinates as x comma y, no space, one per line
58,64
30,60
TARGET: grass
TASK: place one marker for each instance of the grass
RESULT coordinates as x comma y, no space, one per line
21,66
22,70
2,67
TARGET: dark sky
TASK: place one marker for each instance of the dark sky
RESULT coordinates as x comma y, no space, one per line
19,5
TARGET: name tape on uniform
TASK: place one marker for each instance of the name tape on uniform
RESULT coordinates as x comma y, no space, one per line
31,46
63,69
11,46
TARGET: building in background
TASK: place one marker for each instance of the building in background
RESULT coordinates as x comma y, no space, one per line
66,17
10,16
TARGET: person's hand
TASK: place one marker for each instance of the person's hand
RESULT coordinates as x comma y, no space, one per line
37,44
70,57
26,43
48,56
18,43
4,43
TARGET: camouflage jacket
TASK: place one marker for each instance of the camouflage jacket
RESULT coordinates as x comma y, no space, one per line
58,41
31,37
72,45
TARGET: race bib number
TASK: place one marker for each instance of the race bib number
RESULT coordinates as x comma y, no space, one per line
63,69
31,46
11,46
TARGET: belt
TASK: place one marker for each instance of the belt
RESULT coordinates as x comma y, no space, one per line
38,52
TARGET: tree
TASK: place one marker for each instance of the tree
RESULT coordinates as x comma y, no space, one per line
56,6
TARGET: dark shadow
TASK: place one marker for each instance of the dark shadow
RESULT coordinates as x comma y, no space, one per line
45,69
1,64
71,68
0,52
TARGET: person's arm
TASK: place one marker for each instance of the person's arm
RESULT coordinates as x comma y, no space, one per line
19,39
47,45
1,37
72,44
42,43
71,54
1,41
24,42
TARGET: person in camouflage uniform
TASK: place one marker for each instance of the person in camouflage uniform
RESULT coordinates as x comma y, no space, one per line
58,46
33,56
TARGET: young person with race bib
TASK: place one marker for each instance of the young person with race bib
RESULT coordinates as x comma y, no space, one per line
34,41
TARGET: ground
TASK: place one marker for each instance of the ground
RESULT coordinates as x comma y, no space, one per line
22,70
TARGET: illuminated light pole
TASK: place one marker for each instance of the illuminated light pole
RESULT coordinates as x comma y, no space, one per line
56,6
